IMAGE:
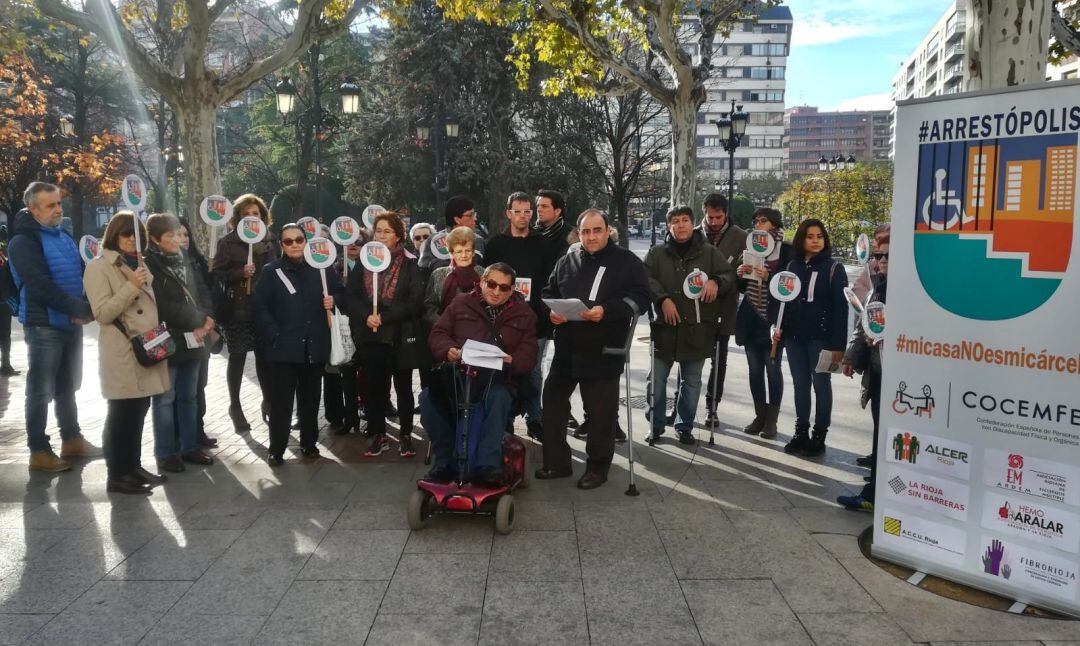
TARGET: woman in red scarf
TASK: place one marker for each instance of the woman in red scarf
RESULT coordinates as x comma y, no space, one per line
462,276
383,339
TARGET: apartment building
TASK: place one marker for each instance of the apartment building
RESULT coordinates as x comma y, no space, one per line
810,134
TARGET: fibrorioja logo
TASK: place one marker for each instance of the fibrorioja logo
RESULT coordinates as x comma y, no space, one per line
993,560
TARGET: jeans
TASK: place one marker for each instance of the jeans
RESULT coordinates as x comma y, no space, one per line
762,366
55,358
176,412
802,360
533,410
689,392
122,435
440,425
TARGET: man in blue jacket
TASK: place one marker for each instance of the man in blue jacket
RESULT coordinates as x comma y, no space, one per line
52,309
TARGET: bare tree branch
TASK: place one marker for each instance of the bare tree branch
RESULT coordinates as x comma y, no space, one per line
1063,32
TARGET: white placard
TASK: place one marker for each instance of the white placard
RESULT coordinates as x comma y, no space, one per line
133,193
251,229
368,216
785,286
981,347
873,320
439,246
760,243
344,231
862,249
89,248
310,226
375,256
320,253
215,210
523,286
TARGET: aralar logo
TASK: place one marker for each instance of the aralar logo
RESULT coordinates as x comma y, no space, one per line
995,212
906,447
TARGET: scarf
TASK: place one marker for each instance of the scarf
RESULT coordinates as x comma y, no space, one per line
550,231
131,260
714,235
493,311
758,293
389,279
460,280
173,262
682,248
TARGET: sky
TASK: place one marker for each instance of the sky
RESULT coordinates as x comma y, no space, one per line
844,53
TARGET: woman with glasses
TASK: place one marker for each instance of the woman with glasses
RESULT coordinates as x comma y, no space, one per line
118,286
291,316
756,314
232,268
383,337
184,304
418,235
460,277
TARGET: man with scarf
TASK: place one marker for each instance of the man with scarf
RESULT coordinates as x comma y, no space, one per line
685,331
730,239
611,282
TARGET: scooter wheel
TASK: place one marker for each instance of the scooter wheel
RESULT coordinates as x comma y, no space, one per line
504,515
419,509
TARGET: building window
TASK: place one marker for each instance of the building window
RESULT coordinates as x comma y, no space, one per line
709,142
763,96
766,49
766,118
765,73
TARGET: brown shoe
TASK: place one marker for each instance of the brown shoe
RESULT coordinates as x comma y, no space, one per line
197,457
47,461
591,480
79,448
172,464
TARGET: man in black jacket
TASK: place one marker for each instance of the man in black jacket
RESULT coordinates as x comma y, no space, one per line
458,212
611,282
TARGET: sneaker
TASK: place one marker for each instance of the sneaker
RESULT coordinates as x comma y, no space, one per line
47,461
620,435
865,461
712,421
78,447
535,430
406,449
855,503
378,446
442,474
686,437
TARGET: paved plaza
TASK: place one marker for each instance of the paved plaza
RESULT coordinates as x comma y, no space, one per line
735,543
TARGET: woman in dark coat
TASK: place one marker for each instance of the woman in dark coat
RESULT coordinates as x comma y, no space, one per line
290,313
202,269
184,307
232,268
385,342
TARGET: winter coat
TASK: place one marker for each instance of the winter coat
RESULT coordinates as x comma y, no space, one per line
821,310
113,297
429,263
288,312
48,272
585,350
433,296
731,245
228,267
689,340
530,258
513,330
864,355
399,315
182,306
750,328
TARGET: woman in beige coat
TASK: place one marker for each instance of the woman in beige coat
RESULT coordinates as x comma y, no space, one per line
118,287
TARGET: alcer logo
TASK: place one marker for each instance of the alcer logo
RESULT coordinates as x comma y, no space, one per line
997,212
906,447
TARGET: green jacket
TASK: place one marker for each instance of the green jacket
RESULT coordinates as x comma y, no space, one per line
731,245
689,340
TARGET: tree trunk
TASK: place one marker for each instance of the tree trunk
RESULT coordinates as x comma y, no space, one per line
1006,43
196,124
683,115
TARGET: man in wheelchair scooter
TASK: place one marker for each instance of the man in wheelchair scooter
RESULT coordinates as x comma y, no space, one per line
496,314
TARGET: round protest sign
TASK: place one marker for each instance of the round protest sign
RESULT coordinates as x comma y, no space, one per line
853,300
251,229
369,214
862,249
89,246
375,256
320,253
874,320
785,286
310,227
344,231
215,210
133,193
694,285
440,248
760,243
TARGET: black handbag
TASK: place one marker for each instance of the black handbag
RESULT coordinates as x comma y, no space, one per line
151,347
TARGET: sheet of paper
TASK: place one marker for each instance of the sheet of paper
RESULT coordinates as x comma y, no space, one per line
191,341
571,308
482,355
825,362
755,261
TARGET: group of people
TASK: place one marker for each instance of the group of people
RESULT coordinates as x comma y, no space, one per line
427,307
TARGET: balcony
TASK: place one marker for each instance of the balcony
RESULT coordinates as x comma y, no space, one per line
954,32
954,71
954,52
932,55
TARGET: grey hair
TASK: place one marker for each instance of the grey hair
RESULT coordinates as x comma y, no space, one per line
29,196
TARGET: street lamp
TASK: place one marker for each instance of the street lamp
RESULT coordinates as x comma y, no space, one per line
731,128
439,135
350,97
285,93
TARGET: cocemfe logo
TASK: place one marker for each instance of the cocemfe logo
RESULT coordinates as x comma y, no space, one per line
1012,406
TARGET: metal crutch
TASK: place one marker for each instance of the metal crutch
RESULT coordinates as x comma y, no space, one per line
716,404
632,489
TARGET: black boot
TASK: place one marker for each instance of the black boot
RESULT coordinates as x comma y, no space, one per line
799,442
816,446
768,425
754,427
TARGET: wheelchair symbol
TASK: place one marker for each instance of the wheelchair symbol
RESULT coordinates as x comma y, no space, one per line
904,402
946,200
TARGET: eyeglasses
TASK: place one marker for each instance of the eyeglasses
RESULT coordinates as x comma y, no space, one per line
881,256
130,233
502,287
762,220
288,242
421,238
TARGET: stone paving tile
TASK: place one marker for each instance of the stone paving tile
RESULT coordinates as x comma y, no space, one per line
437,584
743,495
15,629
841,546
711,552
535,556
646,612
813,494
324,612
853,629
215,515
424,629
372,516
176,555
537,612
543,515
686,512
360,555
834,520
453,535
750,612
180,629
113,612
995,643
